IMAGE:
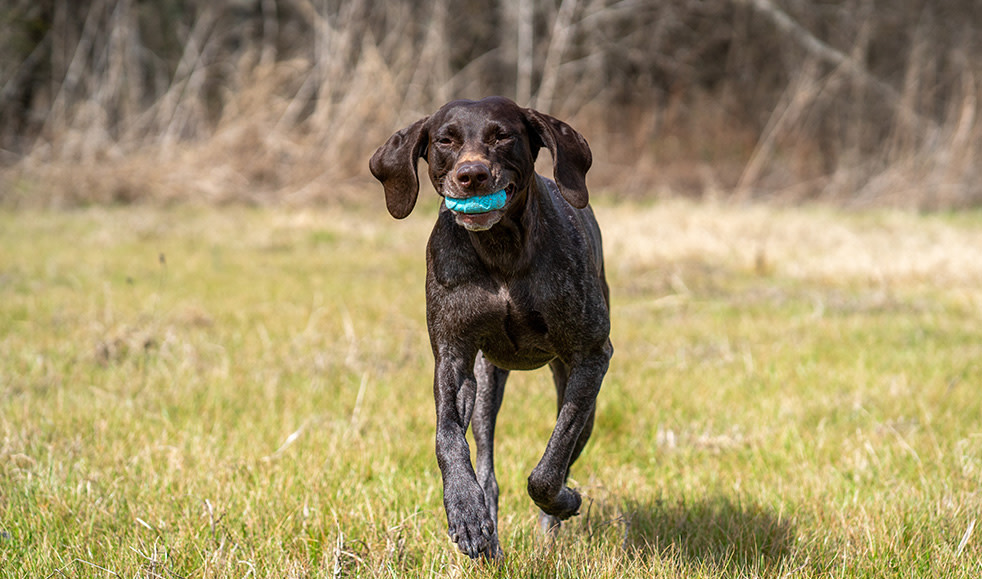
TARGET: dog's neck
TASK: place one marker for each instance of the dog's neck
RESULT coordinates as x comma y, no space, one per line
509,246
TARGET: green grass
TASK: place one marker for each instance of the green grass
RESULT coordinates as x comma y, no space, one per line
206,392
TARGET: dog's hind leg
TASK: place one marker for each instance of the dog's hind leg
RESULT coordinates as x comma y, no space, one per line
490,391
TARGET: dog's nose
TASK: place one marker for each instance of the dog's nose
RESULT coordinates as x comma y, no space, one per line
472,174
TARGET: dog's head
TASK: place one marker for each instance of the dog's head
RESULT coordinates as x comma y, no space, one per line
475,149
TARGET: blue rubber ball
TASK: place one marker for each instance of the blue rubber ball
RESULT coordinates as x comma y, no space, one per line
479,204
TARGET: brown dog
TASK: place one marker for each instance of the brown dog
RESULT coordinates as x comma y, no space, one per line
513,283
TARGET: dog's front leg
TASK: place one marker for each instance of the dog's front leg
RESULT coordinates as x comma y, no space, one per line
469,522
547,483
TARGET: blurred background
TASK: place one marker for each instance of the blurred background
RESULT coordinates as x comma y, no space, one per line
854,102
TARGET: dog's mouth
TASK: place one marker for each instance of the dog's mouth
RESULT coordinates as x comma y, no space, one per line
480,212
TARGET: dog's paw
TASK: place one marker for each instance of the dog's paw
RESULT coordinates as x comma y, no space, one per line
471,527
566,504
494,553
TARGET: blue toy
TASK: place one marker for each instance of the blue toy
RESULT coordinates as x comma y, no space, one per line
480,204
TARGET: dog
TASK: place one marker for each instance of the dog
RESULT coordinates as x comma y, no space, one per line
514,281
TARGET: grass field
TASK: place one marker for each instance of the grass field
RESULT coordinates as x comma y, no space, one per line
233,392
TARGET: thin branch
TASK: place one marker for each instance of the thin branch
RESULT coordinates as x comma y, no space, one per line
523,86
561,29
827,53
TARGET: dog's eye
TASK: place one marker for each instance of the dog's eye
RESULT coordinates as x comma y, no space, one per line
503,137
444,141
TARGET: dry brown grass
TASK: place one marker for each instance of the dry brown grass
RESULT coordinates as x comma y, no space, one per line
813,244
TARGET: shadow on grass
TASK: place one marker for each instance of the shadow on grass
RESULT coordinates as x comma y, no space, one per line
717,533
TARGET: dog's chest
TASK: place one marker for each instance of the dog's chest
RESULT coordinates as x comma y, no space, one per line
519,315
515,331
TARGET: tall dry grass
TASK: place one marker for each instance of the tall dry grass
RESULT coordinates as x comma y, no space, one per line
283,100
230,116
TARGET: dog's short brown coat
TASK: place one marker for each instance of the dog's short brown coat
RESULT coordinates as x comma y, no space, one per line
512,289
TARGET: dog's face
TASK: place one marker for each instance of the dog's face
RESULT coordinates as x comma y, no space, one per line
475,149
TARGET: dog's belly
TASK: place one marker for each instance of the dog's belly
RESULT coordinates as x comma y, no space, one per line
502,356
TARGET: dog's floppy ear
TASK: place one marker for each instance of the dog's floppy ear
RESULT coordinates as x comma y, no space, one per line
571,157
394,164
